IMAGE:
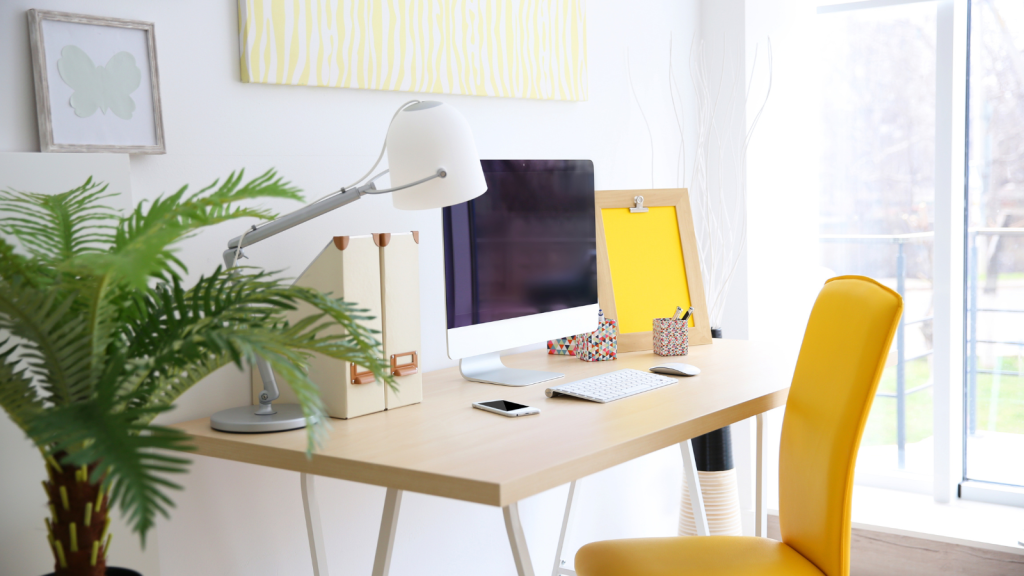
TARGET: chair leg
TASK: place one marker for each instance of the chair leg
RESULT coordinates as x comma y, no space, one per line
693,480
516,538
761,497
386,537
313,528
558,570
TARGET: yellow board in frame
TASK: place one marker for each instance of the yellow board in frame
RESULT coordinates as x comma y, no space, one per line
648,263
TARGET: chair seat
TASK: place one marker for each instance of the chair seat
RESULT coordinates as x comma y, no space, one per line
692,556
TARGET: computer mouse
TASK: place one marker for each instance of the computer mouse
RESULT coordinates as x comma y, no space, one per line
676,369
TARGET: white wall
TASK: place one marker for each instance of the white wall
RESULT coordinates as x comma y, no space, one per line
782,178
240,519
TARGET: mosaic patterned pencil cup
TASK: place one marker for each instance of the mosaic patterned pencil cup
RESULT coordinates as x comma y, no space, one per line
601,344
671,337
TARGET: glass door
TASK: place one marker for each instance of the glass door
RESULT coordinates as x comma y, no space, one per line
994,398
876,75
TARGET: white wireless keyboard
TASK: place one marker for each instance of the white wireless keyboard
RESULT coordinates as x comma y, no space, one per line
611,386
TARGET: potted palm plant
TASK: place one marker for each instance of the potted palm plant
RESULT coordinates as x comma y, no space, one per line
98,336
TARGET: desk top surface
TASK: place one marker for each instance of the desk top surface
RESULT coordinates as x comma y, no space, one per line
445,447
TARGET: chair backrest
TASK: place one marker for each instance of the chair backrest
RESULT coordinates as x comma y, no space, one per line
841,360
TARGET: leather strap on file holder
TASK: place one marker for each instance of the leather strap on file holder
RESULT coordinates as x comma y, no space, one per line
341,242
382,239
404,369
365,377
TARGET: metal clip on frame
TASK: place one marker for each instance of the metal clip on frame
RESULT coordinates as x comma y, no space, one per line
638,205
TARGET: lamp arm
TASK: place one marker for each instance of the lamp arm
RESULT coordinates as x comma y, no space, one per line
270,390
293,219
319,208
441,173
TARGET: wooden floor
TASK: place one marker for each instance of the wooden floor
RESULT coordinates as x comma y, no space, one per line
883,554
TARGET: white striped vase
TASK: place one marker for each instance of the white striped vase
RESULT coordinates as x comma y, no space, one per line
721,505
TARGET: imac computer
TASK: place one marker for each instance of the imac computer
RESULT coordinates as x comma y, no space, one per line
520,265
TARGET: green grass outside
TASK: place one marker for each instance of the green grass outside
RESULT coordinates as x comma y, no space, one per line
881,426
1002,398
1003,276
1007,391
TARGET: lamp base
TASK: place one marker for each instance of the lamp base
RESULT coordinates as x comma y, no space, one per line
244,420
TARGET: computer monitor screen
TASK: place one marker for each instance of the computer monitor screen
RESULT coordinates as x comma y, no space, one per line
526,246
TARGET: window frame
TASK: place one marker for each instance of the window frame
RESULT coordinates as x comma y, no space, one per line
970,488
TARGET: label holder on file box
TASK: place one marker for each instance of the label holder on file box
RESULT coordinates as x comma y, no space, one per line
404,369
364,377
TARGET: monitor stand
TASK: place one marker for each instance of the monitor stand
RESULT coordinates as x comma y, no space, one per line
488,368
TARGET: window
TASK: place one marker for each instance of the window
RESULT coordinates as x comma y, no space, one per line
890,77
877,79
994,399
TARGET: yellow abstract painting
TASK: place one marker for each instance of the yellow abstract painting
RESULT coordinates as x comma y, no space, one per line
507,48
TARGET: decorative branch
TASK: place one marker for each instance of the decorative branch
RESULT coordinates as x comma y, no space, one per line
650,135
720,204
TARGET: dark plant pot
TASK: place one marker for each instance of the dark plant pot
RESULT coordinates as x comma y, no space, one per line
114,571
713,450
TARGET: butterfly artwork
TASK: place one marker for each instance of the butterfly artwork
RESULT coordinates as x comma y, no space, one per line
106,87
97,84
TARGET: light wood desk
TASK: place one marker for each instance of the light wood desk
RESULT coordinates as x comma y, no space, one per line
444,447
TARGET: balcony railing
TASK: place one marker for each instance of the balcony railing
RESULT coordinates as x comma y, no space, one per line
972,324
901,240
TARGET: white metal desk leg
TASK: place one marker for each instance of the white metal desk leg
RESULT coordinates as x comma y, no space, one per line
516,538
761,496
693,481
313,530
570,503
388,527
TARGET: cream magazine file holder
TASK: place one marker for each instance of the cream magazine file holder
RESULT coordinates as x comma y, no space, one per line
380,273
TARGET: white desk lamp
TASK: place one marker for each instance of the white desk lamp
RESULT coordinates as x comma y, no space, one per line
433,163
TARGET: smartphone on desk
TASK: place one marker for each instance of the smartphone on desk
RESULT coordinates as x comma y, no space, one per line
506,408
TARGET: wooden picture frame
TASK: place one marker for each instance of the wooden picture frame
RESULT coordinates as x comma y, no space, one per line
139,138
678,198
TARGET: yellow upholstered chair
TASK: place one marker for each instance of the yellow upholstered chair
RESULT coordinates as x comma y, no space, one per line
841,360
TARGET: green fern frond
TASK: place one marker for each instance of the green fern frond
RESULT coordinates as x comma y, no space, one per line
142,245
16,268
98,349
221,311
18,396
57,227
54,347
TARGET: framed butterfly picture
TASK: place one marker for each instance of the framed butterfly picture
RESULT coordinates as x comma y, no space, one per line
97,84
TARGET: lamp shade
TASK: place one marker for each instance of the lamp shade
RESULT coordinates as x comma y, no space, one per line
423,138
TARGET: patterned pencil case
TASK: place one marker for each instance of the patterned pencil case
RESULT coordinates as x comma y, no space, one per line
599,345
671,337
562,346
